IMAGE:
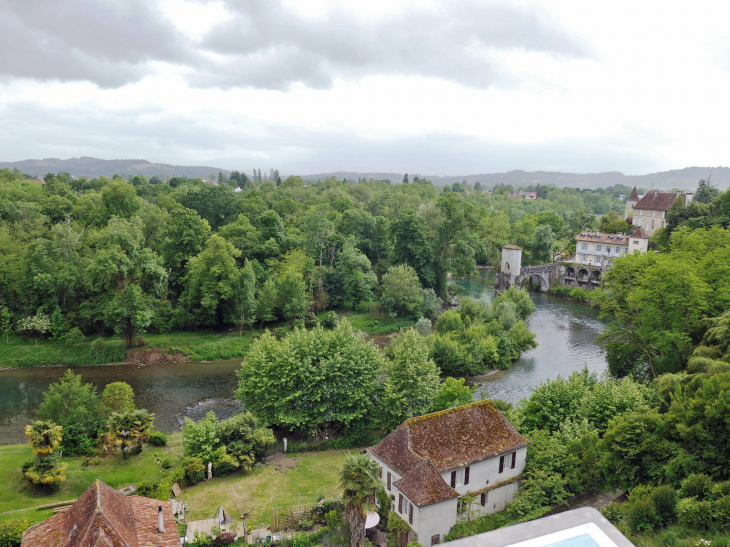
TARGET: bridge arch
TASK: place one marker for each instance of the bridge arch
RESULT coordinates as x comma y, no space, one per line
534,277
583,275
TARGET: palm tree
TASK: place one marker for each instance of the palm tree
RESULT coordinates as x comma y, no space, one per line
128,428
359,480
43,436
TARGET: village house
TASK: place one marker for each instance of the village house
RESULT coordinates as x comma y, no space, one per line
104,517
429,462
650,211
597,249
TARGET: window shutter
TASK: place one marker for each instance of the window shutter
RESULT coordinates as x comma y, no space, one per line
453,479
410,513
483,500
466,475
400,503
380,473
388,480
501,464
514,459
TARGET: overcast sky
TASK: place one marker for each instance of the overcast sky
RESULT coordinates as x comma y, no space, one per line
443,88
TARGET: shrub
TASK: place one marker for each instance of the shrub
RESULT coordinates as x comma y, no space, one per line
694,514
449,321
157,438
98,348
423,326
146,488
11,532
642,516
329,321
722,513
226,538
696,486
613,512
224,465
74,337
721,490
194,470
665,503
641,492
165,463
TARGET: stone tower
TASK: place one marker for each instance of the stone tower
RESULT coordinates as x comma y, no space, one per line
633,200
511,262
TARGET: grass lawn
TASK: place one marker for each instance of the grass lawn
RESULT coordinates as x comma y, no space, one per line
17,492
314,474
258,492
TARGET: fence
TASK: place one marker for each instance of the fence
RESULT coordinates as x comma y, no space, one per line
294,517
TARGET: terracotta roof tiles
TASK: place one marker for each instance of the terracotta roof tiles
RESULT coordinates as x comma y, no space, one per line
634,195
423,485
104,517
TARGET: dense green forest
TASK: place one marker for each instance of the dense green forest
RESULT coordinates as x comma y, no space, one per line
102,256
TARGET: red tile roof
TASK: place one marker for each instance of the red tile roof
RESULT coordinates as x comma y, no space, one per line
657,201
446,440
423,485
639,234
613,239
634,195
104,517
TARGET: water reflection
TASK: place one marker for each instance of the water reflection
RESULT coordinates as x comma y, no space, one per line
566,335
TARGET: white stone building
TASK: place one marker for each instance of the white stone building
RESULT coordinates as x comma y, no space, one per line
597,249
429,462
649,213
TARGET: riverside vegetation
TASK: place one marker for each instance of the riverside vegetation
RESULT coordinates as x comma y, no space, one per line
657,427
92,268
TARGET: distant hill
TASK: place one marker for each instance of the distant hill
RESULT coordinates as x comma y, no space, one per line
685,179
94,167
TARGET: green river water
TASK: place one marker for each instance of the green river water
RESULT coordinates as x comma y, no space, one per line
565,331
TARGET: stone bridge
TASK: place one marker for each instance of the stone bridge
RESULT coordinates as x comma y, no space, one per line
550,275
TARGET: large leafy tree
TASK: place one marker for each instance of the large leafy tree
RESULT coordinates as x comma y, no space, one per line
411,380
119,198
402,291
184,235
74,406
655,304
126,276
292,295
117,397
212,283
359,480
411,246
247,301
311,379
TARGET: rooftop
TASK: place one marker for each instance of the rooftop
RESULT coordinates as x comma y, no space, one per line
657,201
422,448
512,247
104,517
634,195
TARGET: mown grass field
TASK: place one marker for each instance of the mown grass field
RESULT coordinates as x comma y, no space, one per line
309,476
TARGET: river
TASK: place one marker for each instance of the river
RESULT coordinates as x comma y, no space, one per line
565,331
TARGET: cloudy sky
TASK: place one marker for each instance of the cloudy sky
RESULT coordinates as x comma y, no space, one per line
444,88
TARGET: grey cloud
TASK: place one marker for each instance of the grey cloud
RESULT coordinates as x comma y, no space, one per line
264,45
268,46
107,42
241,143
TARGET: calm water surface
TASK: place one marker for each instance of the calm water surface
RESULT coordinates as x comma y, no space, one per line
565,331
566,335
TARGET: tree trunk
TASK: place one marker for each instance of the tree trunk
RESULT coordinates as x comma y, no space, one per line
129,332
357,524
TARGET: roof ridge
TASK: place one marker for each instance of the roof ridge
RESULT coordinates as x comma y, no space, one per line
416,419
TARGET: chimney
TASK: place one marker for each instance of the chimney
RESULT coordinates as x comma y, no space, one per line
160,521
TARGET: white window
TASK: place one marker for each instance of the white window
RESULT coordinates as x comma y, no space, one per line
406,507
584,246
598,247
652,224
459,476
662,224
636,242
598,259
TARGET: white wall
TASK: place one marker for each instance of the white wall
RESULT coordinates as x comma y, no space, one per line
638,244
486,472
430,520
511,261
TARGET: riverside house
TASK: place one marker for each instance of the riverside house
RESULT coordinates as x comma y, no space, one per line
429,462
